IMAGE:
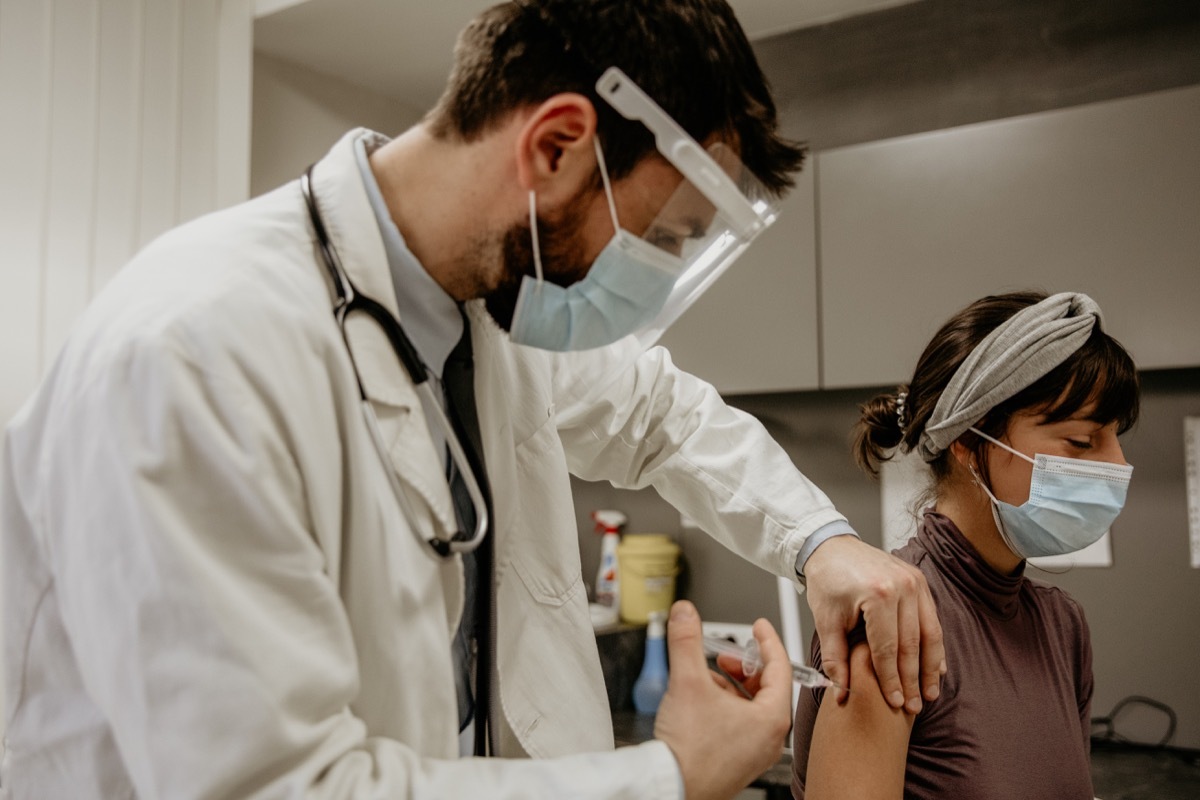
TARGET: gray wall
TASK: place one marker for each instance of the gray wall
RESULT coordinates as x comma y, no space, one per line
299,113
940,63
935,64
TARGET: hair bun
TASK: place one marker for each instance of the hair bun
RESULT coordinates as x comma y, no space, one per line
879,430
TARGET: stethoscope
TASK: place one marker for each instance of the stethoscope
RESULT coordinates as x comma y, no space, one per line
349,300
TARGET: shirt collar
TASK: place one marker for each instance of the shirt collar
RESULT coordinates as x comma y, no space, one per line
963,566
431,317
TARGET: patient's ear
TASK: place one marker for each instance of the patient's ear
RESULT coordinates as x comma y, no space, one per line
962,458
961,455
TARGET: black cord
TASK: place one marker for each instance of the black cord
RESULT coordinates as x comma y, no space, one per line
1109,733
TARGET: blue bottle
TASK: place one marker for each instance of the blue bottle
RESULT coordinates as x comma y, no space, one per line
651,684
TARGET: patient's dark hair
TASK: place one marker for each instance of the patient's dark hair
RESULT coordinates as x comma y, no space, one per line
1100,372
690,56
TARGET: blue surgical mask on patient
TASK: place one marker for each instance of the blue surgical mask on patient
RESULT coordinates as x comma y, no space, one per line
625,288
1072,503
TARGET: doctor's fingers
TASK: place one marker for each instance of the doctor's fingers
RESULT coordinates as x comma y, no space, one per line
835,650
933,650
893,627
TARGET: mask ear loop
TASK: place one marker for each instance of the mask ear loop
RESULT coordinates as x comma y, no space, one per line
993,501
999,443
537,251
979,482
612,204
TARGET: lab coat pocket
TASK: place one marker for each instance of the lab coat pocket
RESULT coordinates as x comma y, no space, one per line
546,592
544,547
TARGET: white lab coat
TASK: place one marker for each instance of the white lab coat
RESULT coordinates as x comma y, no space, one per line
211,591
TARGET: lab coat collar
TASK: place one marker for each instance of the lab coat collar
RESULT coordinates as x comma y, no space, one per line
350,221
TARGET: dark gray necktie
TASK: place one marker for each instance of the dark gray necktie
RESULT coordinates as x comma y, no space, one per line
458,382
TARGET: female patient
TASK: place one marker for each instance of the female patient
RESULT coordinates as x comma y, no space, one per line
1016,406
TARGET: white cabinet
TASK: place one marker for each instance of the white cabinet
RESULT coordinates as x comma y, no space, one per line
755,329
1103,199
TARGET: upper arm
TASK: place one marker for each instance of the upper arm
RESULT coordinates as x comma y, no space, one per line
659,426
622,417
859,747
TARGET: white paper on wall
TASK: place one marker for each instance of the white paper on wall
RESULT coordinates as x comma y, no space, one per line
901,482
1097,554
1191,458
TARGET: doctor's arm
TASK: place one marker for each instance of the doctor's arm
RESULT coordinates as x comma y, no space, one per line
654,425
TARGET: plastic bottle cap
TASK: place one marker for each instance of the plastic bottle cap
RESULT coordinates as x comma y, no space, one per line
608,520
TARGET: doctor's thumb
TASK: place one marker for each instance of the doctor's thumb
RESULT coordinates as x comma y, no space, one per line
685,644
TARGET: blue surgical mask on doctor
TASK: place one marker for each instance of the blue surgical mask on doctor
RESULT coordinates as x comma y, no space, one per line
625,288
1072,503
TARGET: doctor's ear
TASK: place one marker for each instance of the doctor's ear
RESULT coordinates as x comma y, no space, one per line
555,154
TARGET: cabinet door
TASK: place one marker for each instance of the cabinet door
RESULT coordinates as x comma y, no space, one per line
755,329
1103,199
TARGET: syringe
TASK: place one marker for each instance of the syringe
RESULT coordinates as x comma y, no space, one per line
752,662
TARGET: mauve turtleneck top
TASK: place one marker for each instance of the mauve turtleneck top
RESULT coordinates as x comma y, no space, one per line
1012,720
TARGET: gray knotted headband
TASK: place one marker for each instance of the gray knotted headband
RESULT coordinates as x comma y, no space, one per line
1016,354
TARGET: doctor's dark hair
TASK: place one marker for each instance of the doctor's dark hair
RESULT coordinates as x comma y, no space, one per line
691,56
1100,372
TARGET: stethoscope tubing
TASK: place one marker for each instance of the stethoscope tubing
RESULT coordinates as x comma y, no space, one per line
348,300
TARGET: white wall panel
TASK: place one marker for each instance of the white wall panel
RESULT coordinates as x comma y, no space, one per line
70,222
118,139
235,63
160,117
25,54
198,111
122,118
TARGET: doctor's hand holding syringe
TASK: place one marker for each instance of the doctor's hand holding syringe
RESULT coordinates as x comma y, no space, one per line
722,739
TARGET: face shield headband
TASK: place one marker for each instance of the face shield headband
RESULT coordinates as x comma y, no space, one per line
710,219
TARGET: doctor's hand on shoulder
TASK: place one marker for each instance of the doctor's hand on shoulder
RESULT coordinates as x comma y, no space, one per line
722,739
849,580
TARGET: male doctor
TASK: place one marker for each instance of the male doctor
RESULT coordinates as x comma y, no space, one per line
290,515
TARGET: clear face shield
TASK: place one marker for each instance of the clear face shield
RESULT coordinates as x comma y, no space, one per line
714,214
712,217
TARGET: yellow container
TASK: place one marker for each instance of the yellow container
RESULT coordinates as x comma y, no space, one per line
647,564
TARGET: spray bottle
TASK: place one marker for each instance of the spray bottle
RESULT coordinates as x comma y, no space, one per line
651,684
608,581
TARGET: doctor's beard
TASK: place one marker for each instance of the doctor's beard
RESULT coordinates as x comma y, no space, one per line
562,247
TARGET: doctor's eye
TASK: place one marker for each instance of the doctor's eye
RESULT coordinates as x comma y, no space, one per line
1078,444
666,240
